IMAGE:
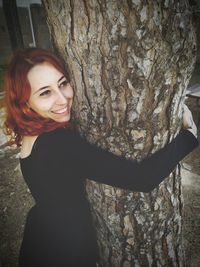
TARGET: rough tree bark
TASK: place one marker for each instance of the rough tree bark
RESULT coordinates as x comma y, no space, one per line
130,63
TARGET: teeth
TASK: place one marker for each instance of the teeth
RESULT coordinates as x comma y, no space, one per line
60,111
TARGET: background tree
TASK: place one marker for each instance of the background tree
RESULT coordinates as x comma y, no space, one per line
130,63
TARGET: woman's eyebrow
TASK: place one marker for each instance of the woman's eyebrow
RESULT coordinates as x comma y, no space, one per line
61,78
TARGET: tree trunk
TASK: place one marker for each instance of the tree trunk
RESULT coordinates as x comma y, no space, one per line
130,63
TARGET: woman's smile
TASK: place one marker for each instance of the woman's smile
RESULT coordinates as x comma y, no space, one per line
61,111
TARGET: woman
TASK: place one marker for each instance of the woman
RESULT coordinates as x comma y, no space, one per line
55,161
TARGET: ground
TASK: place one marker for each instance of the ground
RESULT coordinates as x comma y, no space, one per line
15,201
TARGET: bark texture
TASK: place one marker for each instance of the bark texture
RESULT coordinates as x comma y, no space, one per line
130,63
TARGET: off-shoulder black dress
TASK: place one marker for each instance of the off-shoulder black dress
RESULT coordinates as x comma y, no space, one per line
58,230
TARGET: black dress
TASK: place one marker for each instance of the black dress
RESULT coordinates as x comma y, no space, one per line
58,230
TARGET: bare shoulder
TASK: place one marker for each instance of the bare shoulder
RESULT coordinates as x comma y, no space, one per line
27,145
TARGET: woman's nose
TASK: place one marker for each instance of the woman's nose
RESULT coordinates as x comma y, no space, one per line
61,98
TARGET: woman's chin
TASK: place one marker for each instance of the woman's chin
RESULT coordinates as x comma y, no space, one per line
62,119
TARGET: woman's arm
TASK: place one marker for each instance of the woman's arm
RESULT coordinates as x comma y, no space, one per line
104,167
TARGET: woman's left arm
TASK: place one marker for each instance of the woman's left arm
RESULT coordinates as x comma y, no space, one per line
105,167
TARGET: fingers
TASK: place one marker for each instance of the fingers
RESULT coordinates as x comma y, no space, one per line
187,117
188,122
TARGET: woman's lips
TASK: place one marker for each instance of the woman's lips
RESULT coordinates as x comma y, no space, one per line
61,111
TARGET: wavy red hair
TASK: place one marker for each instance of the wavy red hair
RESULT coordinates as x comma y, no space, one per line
20,119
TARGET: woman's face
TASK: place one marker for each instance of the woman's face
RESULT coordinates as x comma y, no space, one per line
51,94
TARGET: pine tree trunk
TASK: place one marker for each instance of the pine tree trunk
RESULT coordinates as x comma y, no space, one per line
130,63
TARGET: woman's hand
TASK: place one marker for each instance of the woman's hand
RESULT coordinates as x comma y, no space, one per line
188,122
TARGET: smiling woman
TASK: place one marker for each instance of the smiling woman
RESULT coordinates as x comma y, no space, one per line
56,161
22,119
51,93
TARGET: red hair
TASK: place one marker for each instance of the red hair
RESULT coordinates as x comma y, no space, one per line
20,119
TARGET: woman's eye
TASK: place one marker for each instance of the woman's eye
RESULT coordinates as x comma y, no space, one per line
64,83
45,93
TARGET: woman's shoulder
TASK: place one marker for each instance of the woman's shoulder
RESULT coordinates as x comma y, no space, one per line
47,141
27,146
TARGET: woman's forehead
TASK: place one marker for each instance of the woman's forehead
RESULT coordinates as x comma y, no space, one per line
42,75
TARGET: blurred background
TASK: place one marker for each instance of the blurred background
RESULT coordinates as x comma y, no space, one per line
23,24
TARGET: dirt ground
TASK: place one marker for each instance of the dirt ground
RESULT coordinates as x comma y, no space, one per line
15,201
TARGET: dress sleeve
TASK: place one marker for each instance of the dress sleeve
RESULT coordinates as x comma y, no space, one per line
104,167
